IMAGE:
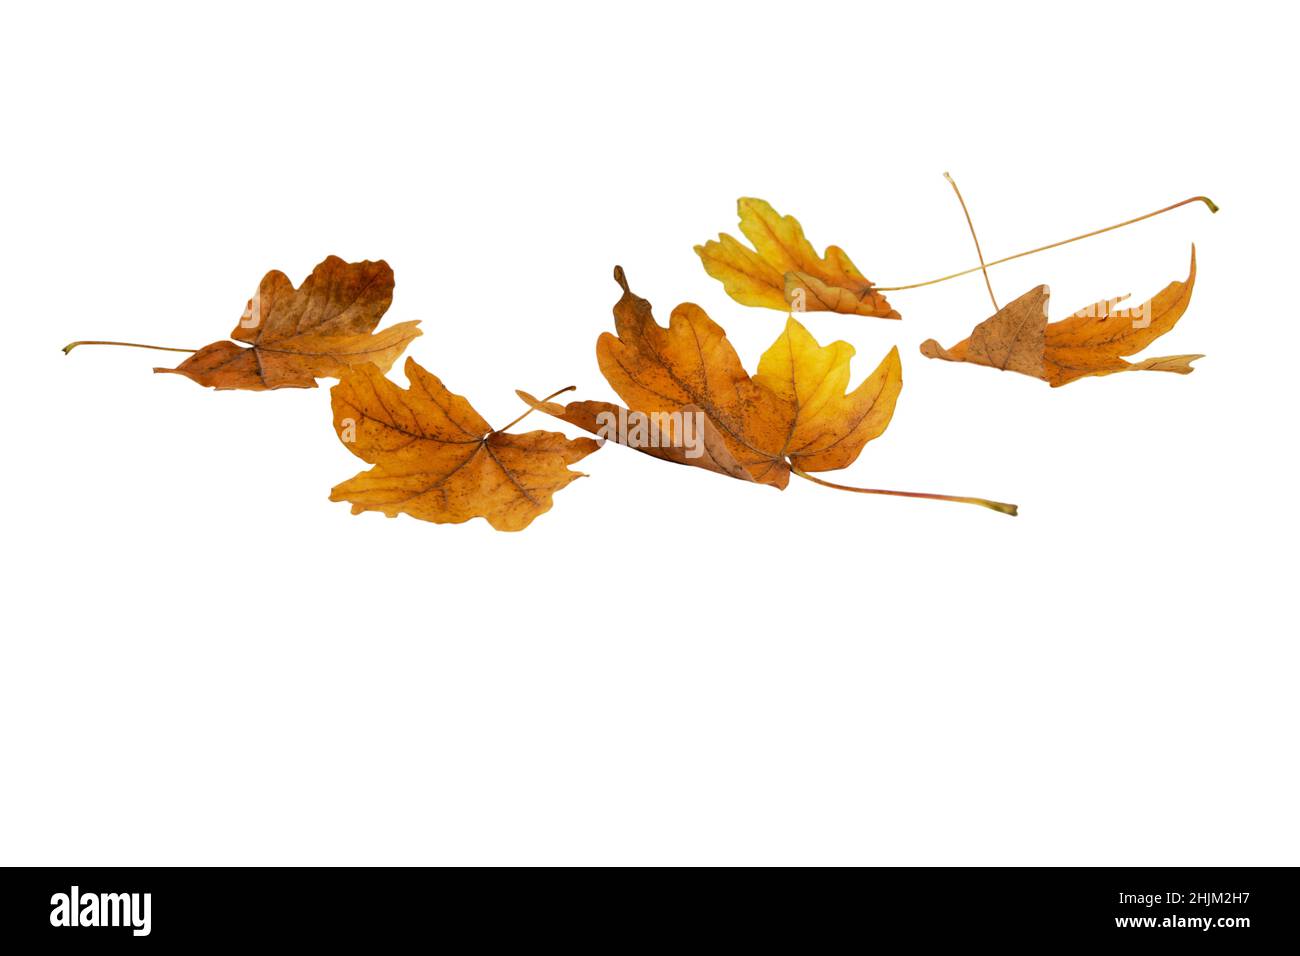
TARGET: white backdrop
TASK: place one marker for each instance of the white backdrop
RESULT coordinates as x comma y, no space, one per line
206,661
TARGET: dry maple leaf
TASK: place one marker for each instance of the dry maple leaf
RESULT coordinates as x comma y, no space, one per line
783,270
435,457
1018,337
795,415
295,336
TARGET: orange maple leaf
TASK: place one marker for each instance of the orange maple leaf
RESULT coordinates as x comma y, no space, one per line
436,458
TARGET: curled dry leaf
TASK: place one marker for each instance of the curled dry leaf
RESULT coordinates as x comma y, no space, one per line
436,458
1018,337
795,414
783,270
295,336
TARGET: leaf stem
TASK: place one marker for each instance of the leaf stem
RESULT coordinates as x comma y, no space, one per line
983,268
1029,252
567,388
134,345
1004,508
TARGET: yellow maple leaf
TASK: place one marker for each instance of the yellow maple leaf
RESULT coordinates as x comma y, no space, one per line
783,270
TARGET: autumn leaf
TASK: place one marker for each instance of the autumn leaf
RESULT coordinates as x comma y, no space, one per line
796,415
436,458
783,271
294,336
1018,337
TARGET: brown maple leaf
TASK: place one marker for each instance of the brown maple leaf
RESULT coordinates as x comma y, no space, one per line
795,415
1018,337
436,458
783,270
295,336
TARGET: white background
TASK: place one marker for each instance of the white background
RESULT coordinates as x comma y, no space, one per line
206,661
